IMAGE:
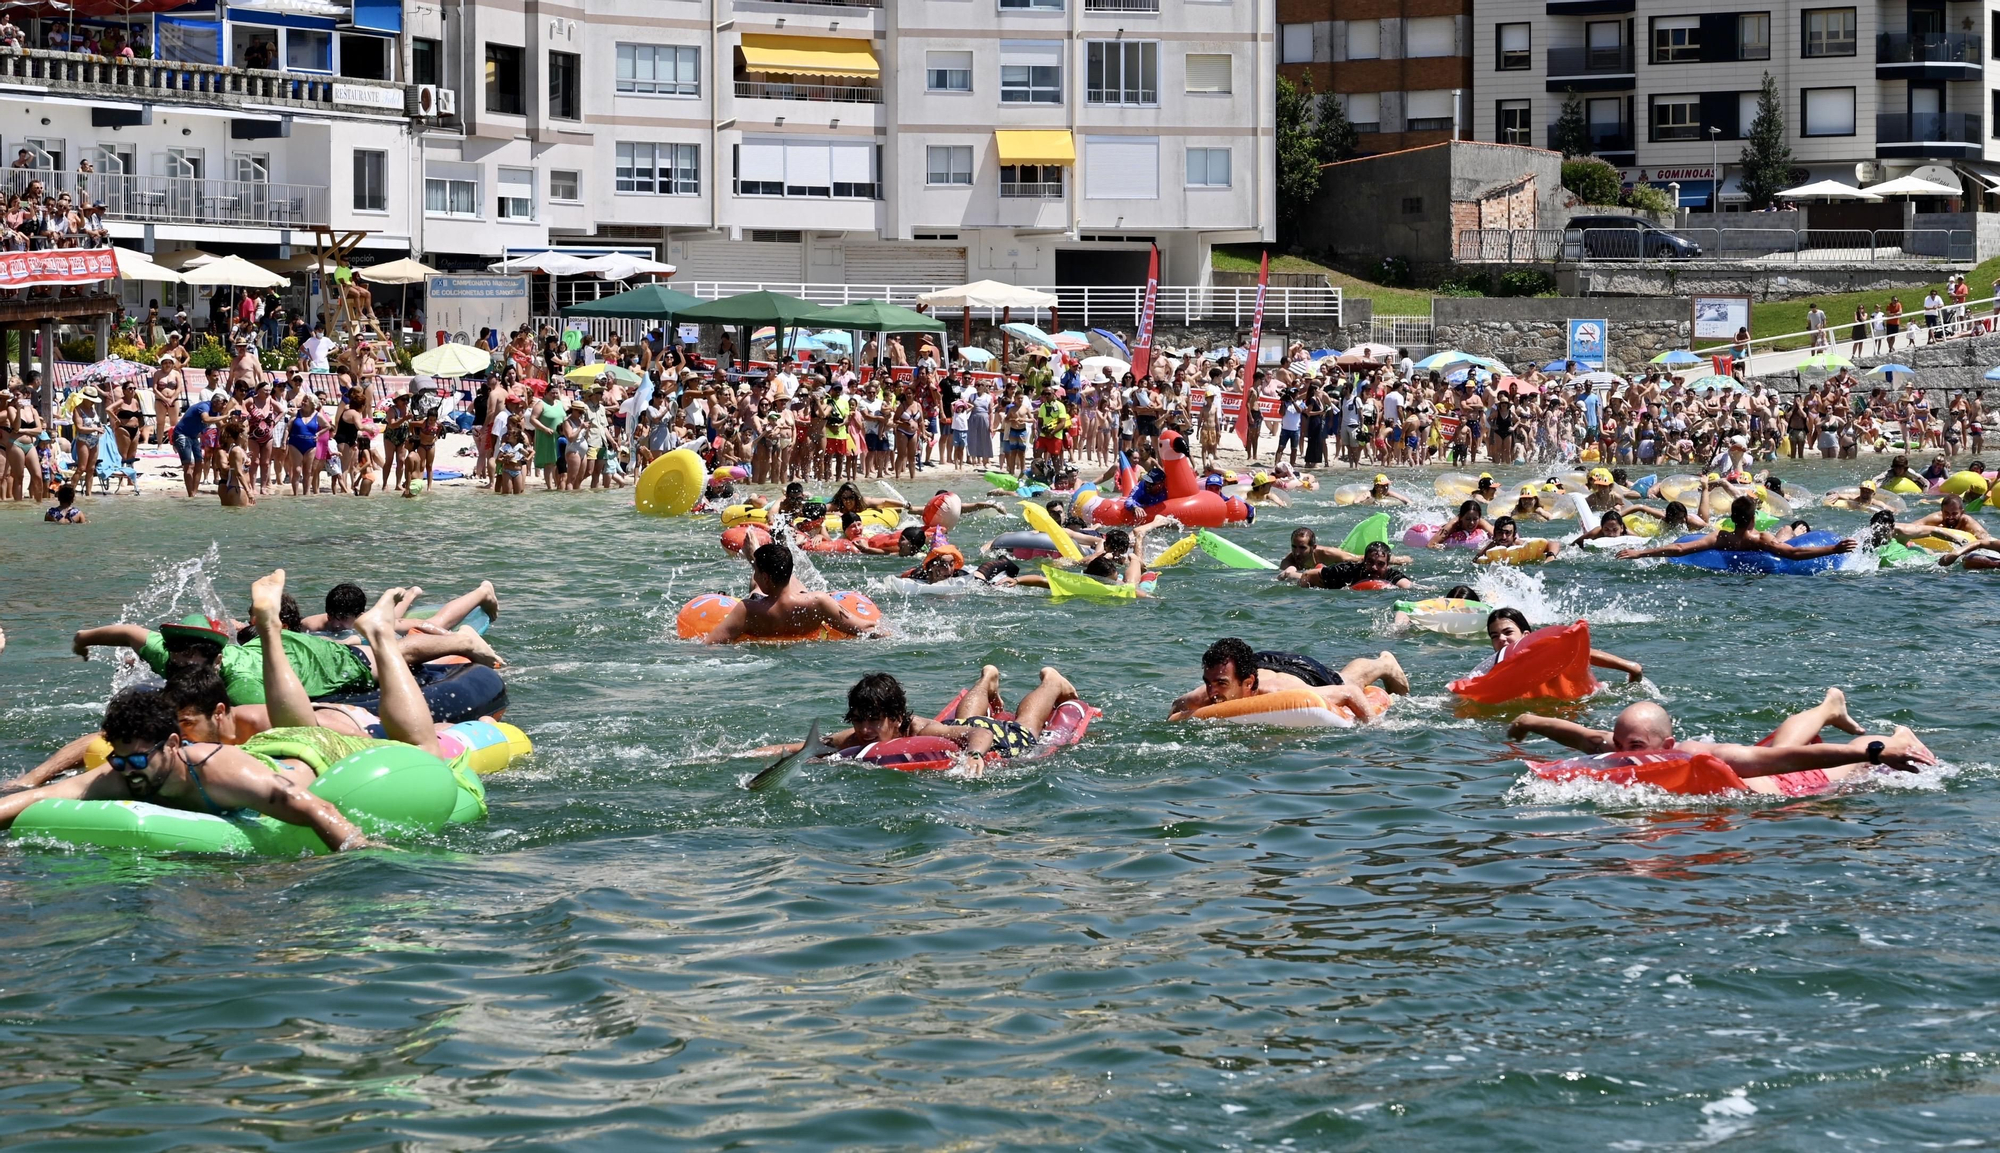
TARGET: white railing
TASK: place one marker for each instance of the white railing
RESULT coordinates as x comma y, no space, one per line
1033,190
1412,334
181,199
1973,318
148,80
1764,245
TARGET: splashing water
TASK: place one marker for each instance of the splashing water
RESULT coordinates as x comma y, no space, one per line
1518,588
176,590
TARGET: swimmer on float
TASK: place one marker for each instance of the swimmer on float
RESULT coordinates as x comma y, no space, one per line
1609,527
1675,519
1120,560
1485,492
1951,514
1528,505
1231,671
1308,553
1899,470
346,602
1507,534
1506,626
1975,555
1742,512
1373,566
909,542
1404,620
1646,727
779,606
1469,523
1863,500
1381,493
879,710
152,760
1261,485
1606,494
945,563
848,498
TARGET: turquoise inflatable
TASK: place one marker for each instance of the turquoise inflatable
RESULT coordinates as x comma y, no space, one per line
387,791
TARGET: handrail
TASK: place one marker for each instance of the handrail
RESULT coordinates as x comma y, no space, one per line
1766,245
102,75
1912,321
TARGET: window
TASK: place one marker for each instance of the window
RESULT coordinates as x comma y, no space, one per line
1746,113
658,169
948,71
1122,72
1364,111
371,181
1753,36
366,57
1515,46
1031,182
1828,112
1604,49
516,187
1513,117
308,50
659,69
1428,111
1676,118
1364,39
1829,31
1035,5
565,86
565,185
1031,72
1413,206
1208,72
1676,39
1427,36
949,164
424,57
842,169
1208,167
446,195
1122,167
1295,43
503,79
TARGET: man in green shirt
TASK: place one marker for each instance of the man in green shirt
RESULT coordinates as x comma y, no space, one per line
324,666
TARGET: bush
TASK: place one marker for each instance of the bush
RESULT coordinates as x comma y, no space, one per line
132,350
1393,272
1592,180
208,353
1465,282
1526,282
1647,198
78,348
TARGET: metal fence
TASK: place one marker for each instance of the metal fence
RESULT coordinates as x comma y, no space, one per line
1412,334
182,199
1764,245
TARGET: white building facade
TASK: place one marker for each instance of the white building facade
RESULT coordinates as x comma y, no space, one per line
1670,86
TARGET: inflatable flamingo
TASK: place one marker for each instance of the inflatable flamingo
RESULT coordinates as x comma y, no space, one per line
1175,492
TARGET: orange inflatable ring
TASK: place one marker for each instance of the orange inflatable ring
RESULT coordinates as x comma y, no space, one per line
828,544
1294,709
699,617
1552,663
738,538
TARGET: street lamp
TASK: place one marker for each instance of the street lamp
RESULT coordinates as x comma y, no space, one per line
1715,169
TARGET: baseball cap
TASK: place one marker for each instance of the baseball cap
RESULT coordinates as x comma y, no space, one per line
196,627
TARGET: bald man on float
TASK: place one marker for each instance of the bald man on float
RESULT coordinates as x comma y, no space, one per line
1646,728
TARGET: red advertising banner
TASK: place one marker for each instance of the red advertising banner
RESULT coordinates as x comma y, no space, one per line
57,266
1256,336
1142,346
1232,410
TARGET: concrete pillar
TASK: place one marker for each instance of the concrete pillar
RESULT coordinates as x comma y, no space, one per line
27,336
48,390
103,337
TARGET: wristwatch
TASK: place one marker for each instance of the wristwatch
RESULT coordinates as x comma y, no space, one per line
1875,752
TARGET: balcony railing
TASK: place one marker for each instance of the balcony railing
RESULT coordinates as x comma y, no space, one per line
1602,138
783,90
1927,127
1928,48
1046,190
1121,5
830,3
149,80
183,199
1610,61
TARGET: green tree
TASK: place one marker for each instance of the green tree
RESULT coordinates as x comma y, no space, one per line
1337,138
1571,134
1299,156
1767,159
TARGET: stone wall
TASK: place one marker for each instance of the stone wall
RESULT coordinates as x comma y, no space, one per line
1773,280
1536,329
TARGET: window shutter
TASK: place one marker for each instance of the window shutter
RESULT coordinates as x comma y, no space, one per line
854,162
1433,104
1122,167
1207,72
808,164
762,161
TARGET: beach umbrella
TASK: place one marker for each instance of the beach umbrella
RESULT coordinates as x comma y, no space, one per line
1912,186
1376,352
1993,373
1105,366
1596,378
1556,366
1072,342
836,339
646,302
549,263
625,266
981,356
588,372
452,360
988,294
1827,361
404,271
186,258
1520,387
1021,330
234,271
116,370
138,266
1109,342
1713,383
1826,190
1677,357
878,316
1886,369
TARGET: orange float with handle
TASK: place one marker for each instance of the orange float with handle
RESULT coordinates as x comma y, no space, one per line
1679,771
699,617
1294,709
1552,663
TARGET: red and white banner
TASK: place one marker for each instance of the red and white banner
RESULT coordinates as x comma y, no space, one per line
1142,346
1256,335
57,266
1232,410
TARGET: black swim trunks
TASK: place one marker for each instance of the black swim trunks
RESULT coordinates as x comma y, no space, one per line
1299,665
1009,739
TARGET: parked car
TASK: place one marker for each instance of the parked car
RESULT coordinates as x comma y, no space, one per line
1623,238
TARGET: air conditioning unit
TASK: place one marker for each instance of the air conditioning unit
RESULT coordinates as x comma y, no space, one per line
427,100
447,101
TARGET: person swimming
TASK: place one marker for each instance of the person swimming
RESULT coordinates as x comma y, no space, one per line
1506,535
1742,512
1505,627
1230,671
1469,524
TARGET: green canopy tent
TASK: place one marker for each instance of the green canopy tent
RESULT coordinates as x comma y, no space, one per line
751,309
647,302
879,316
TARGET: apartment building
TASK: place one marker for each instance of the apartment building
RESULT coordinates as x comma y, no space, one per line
871,141
1401,69
1670,87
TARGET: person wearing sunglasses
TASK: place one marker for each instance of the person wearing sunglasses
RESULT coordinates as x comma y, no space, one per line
153,759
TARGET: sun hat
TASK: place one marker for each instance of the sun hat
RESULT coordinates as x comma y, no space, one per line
196,627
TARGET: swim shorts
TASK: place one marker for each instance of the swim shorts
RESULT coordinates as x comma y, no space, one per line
1009,739
189,448
1299,665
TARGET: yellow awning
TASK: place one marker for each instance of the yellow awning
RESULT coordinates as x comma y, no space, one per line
808,56
1041,146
